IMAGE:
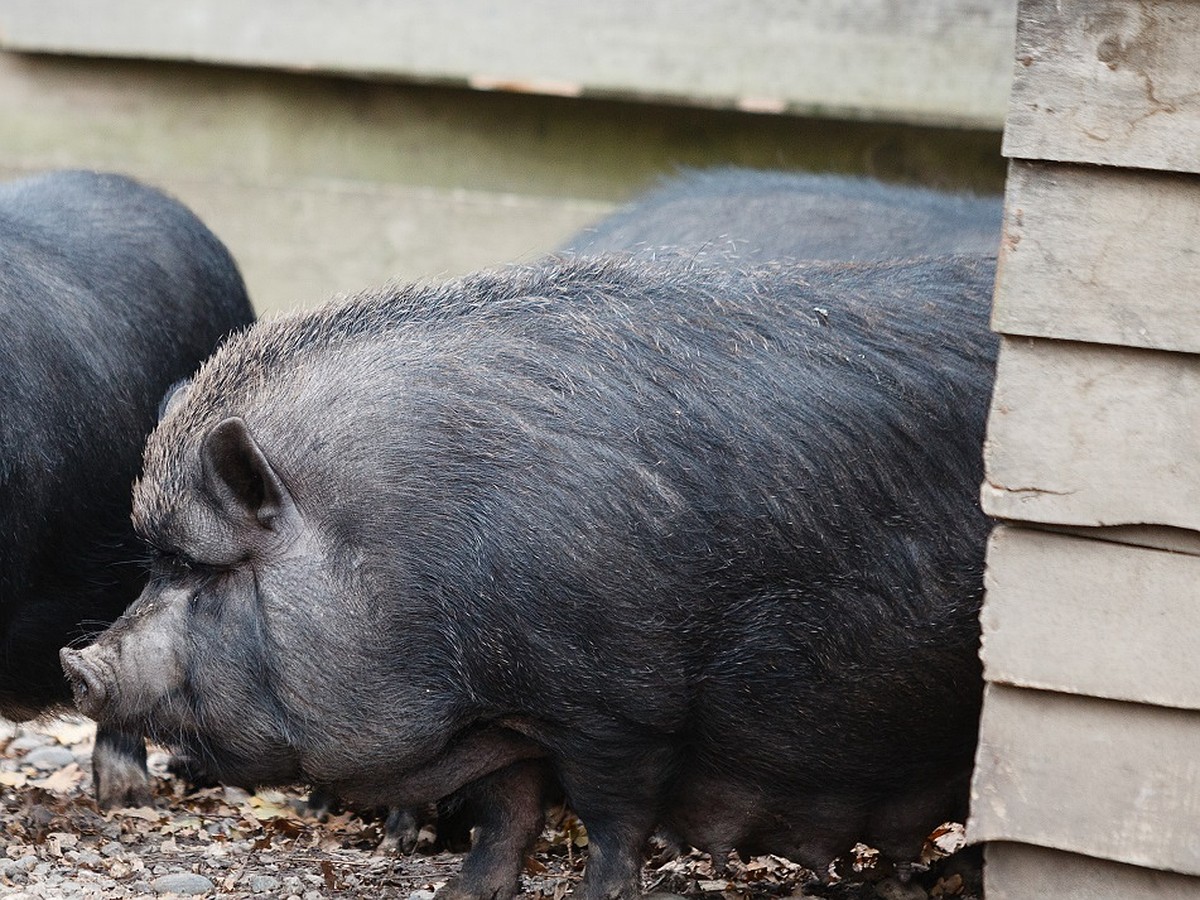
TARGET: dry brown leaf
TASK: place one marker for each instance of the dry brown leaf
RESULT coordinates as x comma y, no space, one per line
947,886
63,781
70,732
260,808
327,872
534,867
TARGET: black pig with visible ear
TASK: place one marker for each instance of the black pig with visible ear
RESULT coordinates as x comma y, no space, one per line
109,292
701,545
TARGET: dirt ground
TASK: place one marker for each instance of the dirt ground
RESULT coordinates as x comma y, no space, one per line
225,842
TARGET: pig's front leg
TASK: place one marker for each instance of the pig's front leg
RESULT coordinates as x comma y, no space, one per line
509,815
618,806
119,768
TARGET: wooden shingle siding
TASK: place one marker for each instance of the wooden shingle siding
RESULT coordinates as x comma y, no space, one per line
1091,435
1111,82
1026,872
1081,616
1095,777
1087,782
1110,256
940,61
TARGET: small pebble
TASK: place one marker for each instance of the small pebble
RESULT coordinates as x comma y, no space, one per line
21,864
187,883
49,757
421,895
28,742
261,884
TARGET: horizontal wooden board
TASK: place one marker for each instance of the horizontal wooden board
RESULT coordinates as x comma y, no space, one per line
1116,781
263,124
1022,872
944,61
1089,617
1104,255
322,184
1088,435
1109,82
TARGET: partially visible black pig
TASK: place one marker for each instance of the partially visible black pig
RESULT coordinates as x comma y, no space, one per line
755,217
109,292
702,546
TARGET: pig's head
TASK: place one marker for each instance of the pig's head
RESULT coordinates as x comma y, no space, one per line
196,651
255,647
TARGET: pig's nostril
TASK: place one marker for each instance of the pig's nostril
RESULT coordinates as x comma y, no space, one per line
85,683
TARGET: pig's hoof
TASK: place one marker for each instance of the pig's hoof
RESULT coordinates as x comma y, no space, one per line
465,889
190,771
119,770
400,834
117,789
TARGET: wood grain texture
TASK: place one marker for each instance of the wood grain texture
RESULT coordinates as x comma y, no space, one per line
1112,82
1085,616
1115,781
942,61
1089,435
1103,255
1021,872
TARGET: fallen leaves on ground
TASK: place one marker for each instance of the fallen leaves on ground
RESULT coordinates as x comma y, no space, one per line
226,842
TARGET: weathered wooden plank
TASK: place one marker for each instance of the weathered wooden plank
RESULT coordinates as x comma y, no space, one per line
1109,82
1089,617
944,61
323,185
1116,781
1021,872
1152,537
1087,435
255,124
1104,255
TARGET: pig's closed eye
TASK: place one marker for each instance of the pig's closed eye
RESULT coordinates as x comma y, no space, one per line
201,601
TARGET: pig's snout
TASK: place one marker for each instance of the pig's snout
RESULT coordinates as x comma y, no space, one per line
86,681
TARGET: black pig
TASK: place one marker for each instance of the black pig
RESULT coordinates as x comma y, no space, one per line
736,216
757,216
700,545
109,292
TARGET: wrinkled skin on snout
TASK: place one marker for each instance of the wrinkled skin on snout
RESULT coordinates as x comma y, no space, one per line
699,547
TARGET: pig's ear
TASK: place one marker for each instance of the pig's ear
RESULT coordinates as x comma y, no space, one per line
240,478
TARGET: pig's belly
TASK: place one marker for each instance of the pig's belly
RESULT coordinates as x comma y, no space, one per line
807,826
